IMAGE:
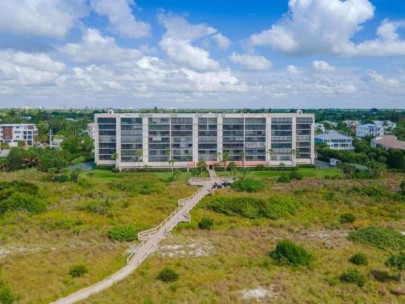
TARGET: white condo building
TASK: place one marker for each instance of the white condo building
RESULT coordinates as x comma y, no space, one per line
129,140
14,133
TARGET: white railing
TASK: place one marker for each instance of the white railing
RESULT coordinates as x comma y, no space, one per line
144,235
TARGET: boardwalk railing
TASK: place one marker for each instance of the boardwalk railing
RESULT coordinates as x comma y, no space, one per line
144,235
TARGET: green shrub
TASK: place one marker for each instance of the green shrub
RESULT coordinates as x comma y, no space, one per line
78,271
253,208
168,275
383,238
296,175
99,207
359,259
291,254
353,276
279,207
375,191
284,178
22,202
143,184
248,185
6,296
347,218
402,187
123,233
206,223
249,207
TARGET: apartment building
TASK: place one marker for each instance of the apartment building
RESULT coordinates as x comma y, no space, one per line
129,140
369,130
335,140
14,133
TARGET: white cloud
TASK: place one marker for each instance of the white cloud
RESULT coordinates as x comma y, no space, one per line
328,27
379,79
222,41
253,62
322,66
121,19
18,68
95,48
292,70
178,41
49,18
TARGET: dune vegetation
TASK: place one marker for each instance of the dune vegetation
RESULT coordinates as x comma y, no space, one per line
87,227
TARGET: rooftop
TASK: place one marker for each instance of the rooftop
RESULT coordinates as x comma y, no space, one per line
390,141
332,135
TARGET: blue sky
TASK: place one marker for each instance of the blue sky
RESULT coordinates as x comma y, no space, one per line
202,54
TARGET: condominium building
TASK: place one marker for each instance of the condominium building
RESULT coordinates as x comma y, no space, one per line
14,133
129,140
369,130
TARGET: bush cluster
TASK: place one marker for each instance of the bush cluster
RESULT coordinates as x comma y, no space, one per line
206,223
248,185
383,238
359,259
123,233
287,252
22,202
253,208
142,184
78,271
353,276
284,178
375,191
6,296
168,275
347,218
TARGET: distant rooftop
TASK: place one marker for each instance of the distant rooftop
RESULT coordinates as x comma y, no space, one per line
332,135
390,141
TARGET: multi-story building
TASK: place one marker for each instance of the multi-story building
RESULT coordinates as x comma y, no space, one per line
351,123
387,124
369,130
335,140
127,140
14,133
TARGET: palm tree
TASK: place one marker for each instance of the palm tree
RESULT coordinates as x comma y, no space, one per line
202,165
21,144
116,157
225,159
242,156
293,154
138,154
219,157
168,153
171,163
232,168
188,158
270,152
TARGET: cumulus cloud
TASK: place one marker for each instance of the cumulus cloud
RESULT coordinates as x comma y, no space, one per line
96,48
19,68
252,62
120,17
48,18
328,27
222,41
376,78
322,66
178,41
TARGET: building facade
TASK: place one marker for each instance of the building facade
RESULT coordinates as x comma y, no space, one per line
91,130
335,141
369,130
14,133
129,140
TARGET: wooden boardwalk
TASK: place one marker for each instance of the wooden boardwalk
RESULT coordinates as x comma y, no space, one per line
150,240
